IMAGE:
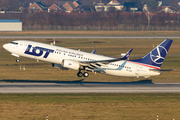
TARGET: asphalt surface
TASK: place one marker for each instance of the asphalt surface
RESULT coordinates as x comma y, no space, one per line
83,37
87,87
25,86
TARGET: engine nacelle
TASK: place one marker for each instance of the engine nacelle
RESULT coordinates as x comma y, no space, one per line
59,66
72,64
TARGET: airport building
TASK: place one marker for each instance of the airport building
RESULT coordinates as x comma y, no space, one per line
10,25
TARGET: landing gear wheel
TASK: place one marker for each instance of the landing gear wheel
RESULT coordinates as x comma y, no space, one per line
86,74
79,74
17,60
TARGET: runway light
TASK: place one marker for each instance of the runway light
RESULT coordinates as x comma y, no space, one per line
46,117
157,117
24,68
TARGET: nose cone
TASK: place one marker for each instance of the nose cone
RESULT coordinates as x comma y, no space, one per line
5,46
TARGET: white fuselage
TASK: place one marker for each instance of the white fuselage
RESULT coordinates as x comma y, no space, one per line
56,54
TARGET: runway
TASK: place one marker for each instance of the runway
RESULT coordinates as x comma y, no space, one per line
89,87
84,37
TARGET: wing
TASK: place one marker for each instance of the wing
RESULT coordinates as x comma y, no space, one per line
90,65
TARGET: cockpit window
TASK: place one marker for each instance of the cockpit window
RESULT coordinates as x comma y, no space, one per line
14,43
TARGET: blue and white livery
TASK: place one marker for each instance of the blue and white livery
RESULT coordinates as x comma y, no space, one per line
65,58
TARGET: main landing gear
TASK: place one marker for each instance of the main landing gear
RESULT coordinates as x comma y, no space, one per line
80,74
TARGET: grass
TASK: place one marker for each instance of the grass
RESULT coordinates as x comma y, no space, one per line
103,33
10,70
89,106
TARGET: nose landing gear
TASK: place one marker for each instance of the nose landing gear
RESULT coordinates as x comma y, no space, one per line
17,60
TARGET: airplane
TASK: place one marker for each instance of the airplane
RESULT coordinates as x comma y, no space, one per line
65,58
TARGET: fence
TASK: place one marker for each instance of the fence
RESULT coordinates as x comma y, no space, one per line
103,28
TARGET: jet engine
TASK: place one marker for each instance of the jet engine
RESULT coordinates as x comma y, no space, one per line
59,66
71,64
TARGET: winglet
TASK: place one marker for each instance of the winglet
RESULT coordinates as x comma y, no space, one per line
127,55
93,52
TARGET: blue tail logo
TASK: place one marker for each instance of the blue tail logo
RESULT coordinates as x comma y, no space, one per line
157,55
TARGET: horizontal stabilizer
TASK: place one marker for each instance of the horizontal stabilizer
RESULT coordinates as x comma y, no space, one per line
162,69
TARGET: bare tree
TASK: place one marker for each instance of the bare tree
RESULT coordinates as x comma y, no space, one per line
150,8
175,6
5,5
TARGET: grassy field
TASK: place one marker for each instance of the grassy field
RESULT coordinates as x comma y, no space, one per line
104,33
10,70
89,106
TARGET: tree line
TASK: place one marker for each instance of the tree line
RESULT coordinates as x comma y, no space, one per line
111,18
96,19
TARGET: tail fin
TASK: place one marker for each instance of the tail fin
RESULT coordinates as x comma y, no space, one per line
157,55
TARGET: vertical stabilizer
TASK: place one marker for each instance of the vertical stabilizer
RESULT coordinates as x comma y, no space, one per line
157,55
